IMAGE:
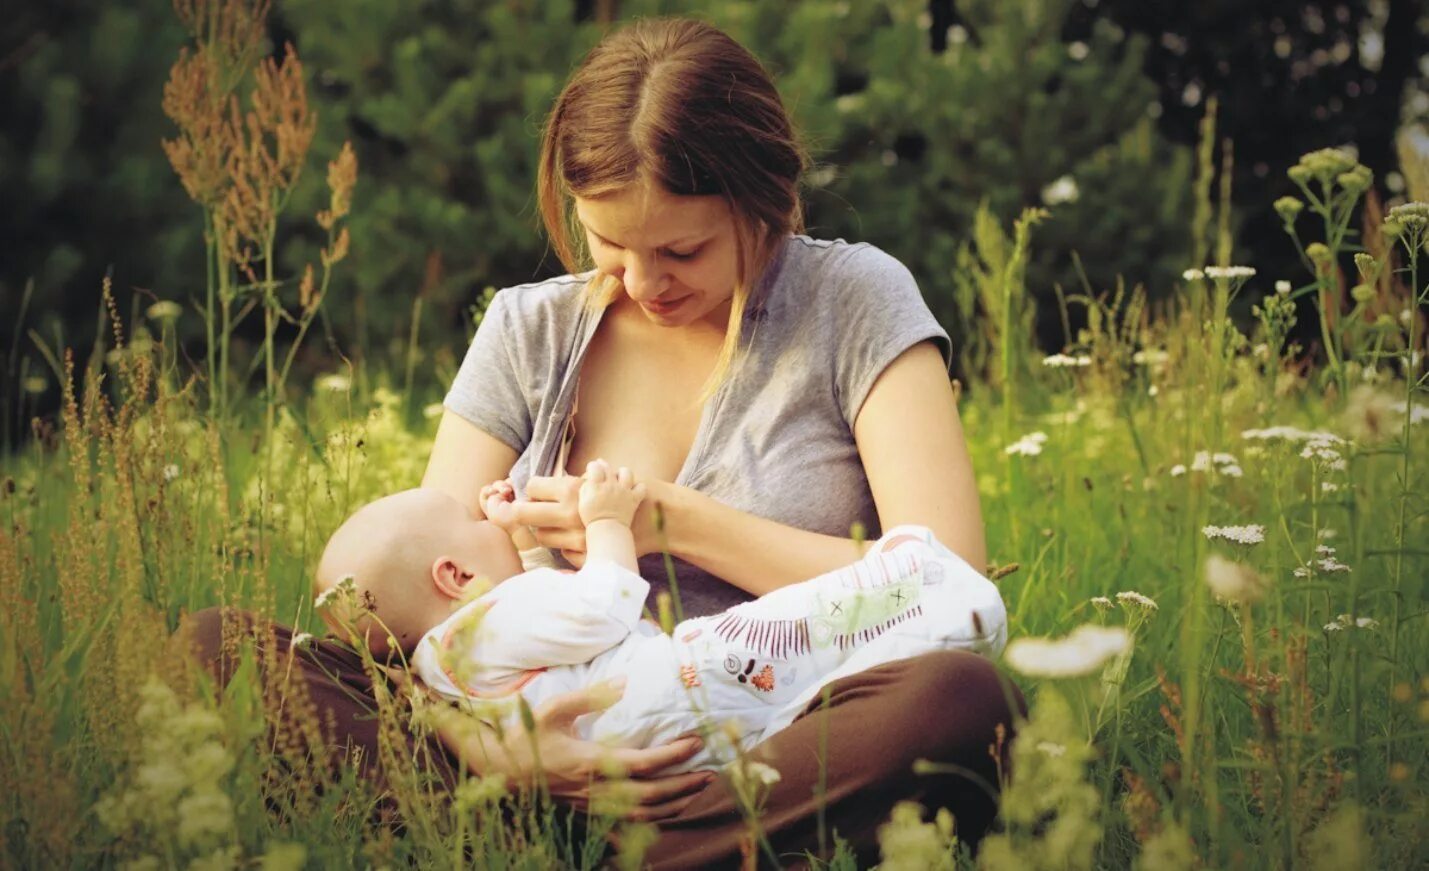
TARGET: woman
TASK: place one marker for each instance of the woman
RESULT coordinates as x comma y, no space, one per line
770,390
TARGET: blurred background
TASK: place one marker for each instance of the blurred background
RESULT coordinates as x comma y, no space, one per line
917,113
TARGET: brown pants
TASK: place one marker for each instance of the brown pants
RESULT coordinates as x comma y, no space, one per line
943,707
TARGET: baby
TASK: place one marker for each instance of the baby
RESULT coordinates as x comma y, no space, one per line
416,558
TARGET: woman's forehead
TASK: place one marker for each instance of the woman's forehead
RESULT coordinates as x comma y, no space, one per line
644,216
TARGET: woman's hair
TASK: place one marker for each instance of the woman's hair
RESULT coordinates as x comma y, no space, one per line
678,103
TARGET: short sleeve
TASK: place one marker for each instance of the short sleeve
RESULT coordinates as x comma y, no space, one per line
487,391
880,313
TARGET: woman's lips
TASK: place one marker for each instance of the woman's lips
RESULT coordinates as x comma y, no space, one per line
663,307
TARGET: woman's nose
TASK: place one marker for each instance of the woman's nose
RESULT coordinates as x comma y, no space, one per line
644,279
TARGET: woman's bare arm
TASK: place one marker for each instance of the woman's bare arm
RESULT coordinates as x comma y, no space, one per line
465,459
914,453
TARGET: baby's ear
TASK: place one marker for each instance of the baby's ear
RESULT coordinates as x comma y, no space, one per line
449,578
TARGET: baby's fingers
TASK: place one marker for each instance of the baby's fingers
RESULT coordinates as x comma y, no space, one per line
625,477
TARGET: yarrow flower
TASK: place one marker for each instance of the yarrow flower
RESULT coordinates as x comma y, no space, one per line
1029,445
302,641
335,383
1150,357
1418,415
1346,621
1131,598
1282,287
1101,603
1085,650
346,586
1290,434
1193,275
1230,272
1251,534
1232,581
1324,452
1063,190
1063,361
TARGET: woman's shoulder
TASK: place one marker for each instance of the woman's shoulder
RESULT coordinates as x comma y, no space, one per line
560,297
837,266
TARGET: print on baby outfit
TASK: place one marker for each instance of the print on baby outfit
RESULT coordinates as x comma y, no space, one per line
743,672
690,676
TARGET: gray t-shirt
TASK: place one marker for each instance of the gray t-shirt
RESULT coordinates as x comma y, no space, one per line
775,441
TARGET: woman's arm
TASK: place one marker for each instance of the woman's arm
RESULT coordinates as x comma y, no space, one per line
465,459
913,450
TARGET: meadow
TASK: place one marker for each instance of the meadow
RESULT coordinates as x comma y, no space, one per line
1211,541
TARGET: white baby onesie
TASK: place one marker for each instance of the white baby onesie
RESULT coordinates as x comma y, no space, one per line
758,664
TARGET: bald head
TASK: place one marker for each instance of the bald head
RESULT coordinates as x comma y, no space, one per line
412,556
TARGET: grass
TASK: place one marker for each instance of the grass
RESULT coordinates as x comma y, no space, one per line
1261,704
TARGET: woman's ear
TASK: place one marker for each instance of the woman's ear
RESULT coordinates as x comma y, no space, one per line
449,578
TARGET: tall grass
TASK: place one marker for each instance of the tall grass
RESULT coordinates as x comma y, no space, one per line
1245,530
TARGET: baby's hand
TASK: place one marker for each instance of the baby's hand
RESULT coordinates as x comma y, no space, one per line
609,494
496,499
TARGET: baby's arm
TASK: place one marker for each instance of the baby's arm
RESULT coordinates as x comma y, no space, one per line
608,500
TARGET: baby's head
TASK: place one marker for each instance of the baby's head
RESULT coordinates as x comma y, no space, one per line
412,556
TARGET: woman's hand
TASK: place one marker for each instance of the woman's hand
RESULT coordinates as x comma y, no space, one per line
579,773
552,510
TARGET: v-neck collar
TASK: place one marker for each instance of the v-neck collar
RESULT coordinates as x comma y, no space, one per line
555,455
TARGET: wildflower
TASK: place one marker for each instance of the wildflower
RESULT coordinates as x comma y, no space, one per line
35,385
906,843
1406,316
335,383
1301,572
1326,533
1330,565
1178,470
434,410
1193,275
1152,390
1324,452
1101,603
1086,649
1324,550
1333,627
1150,357
1052,749
164,310
302,641
1221,458
1418,415
1133,599
1282,287
1232,581
1411,216
1066,362
171,472
1288,208
1252,534
1230,273
1232,471
1063,190
1290,434
1029,445
346,586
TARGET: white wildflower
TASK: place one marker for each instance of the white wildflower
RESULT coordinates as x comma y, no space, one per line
1051,748
1418,415
1324,550
1230,272
433,410
1282,287
302,641
1333,627
1250,534
1329,487
1178,470
1331,565
1082,652
164,310
1366,623
1193,275
1406,316
171,472
1152,390
1233,581
1232,471
1064,361
1325,533
1131,598
1029,445
1101,603
1290,434
1221,458
1150,357
335,383
1301,572
1063,190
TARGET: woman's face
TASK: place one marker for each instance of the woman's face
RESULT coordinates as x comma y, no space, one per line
674,255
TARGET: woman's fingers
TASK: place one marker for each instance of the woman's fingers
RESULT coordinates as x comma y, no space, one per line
664,811
653,760
560,539
547,489
552,514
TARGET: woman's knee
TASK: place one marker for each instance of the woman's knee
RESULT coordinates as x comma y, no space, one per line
959,700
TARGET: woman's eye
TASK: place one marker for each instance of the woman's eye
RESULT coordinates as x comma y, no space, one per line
683,255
